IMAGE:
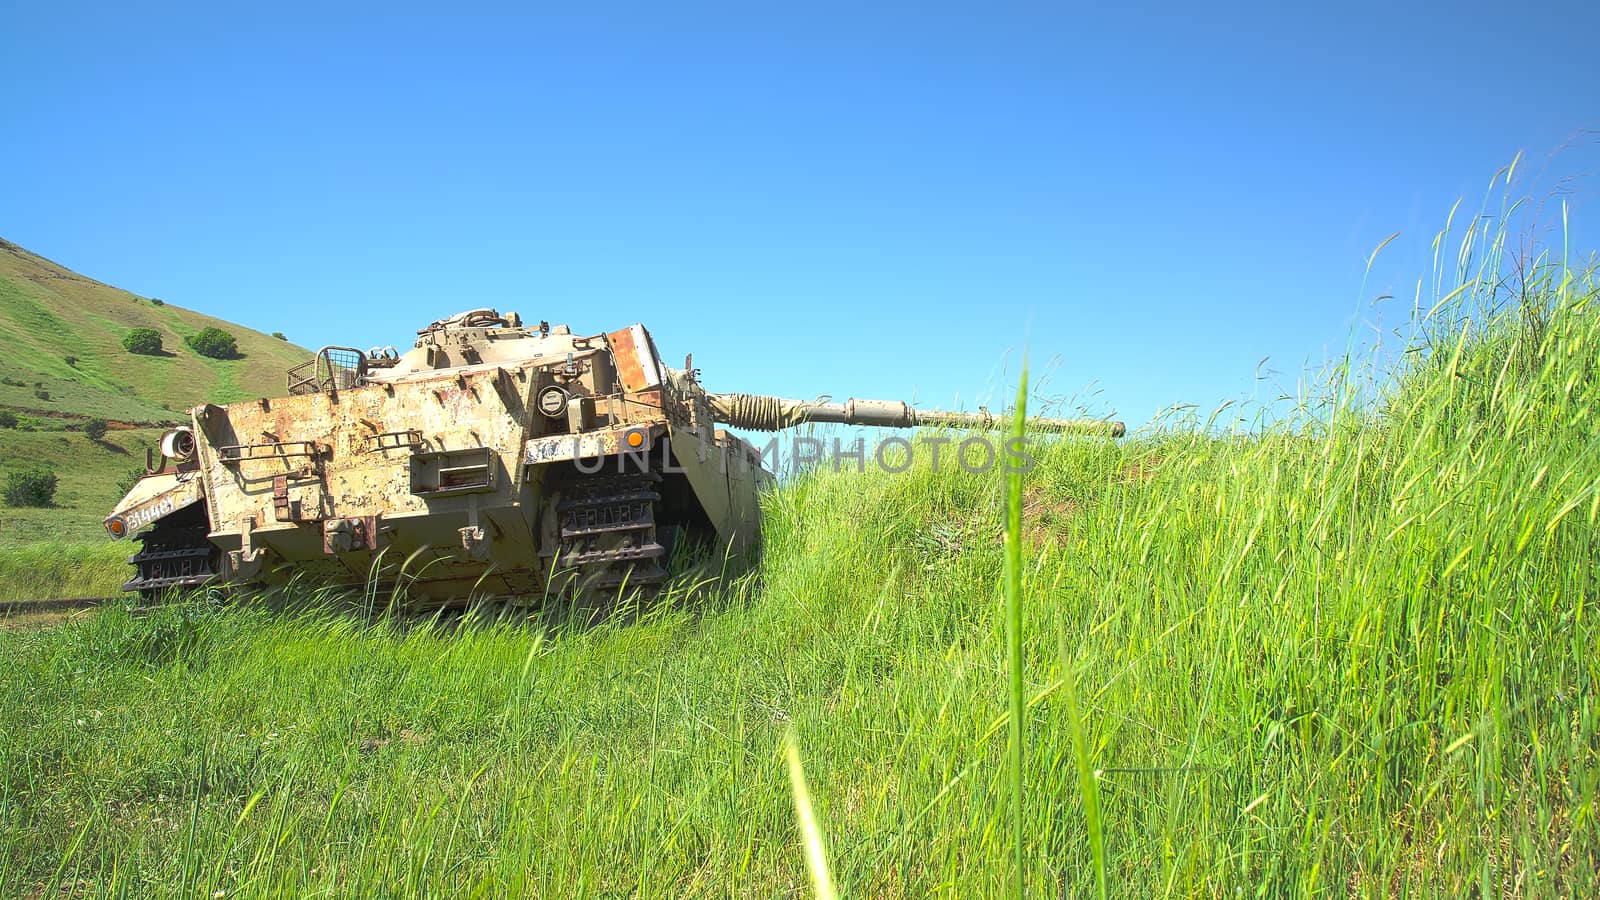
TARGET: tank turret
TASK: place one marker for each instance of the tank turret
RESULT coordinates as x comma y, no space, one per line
493,458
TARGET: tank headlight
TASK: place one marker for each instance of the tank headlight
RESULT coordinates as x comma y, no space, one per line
117,527
178,445
553,401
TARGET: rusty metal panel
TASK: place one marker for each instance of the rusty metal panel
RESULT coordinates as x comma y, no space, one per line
280,499
643,407
636,359
365,439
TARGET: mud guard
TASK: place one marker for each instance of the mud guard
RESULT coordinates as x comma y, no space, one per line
154,498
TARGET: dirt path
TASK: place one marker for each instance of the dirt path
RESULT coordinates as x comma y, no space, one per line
111,424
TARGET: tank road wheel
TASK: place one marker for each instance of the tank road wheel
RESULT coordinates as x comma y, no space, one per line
176,554
607,539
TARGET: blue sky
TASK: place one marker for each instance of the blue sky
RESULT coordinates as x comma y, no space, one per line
812,199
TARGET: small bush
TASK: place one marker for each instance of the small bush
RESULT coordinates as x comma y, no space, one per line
143,341
72,361
41,393
95,429
34,487
279,335
8,419
129,480
157,301
214,343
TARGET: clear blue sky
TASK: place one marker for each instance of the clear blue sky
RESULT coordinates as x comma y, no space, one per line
811,199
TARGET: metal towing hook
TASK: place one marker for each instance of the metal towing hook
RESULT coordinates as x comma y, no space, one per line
344,535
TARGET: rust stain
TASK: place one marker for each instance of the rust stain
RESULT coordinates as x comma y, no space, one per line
626,353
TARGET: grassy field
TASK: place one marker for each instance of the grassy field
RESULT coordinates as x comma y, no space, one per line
1351,653
89,474
57,569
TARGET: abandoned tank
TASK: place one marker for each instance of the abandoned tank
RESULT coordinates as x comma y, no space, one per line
492,459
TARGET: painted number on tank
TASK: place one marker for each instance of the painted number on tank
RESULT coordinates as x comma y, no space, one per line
145,515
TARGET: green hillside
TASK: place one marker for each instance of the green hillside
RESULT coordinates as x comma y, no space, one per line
64,365
48,313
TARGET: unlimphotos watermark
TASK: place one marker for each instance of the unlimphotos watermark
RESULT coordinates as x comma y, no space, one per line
792,455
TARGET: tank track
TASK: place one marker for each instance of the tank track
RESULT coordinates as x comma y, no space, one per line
608,534
173,557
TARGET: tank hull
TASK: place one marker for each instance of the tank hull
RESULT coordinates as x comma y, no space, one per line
449,484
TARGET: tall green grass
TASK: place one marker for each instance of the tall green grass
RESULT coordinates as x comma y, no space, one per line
1353,652
43,570
1011,576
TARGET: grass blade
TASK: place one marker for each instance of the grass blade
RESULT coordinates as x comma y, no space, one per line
1013,614
1087,783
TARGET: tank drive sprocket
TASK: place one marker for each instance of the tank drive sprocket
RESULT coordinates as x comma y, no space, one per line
608,533
174,554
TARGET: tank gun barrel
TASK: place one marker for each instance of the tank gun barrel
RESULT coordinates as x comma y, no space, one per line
758,412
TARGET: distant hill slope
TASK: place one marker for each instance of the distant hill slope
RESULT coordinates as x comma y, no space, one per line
49,313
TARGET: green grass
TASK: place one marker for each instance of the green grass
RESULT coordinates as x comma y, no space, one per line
1353,652
55,569
1016,708
88,474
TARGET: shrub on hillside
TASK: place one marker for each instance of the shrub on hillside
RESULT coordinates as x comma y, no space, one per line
157,301
95,429
72,361
213,342
279,335
8,419
34,487
129,480
41,393
143,341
